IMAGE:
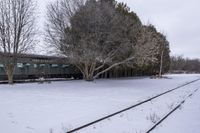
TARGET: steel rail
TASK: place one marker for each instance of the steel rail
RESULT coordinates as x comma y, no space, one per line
171,112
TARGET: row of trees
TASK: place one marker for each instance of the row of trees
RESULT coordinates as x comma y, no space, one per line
178,63
95,35
98,35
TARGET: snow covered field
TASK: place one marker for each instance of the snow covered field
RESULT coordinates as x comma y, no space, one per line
61,106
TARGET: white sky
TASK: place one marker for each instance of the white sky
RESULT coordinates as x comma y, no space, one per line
178,19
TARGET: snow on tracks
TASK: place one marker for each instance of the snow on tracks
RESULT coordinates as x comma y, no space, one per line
131,107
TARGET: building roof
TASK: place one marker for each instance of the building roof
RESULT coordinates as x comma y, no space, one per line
37,58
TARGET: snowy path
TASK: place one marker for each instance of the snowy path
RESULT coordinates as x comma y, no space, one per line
37,108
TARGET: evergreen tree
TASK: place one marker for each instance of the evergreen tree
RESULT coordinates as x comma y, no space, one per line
100,35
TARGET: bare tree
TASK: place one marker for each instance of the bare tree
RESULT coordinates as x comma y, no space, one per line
16,31
179,64
96,36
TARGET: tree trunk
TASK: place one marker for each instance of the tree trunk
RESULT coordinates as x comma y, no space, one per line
89,72
89,78
9,71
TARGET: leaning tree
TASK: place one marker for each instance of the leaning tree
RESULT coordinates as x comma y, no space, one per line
16,31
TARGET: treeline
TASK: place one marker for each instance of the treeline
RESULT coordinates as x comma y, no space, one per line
104,36
180,65
97,36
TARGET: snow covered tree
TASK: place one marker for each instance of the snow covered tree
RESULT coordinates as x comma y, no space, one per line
156,57
16,31
98,35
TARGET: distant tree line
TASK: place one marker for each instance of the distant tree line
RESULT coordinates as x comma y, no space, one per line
180,64
99,36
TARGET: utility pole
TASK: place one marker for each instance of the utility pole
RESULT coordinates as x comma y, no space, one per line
161,64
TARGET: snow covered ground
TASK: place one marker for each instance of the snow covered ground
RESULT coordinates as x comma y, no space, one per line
185,120
61,106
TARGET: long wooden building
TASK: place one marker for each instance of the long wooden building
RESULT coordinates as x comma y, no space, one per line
30,66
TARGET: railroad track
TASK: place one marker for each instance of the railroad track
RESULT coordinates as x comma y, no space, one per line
171,112
131,107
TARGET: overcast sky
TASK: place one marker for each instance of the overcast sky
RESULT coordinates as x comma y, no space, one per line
178,19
